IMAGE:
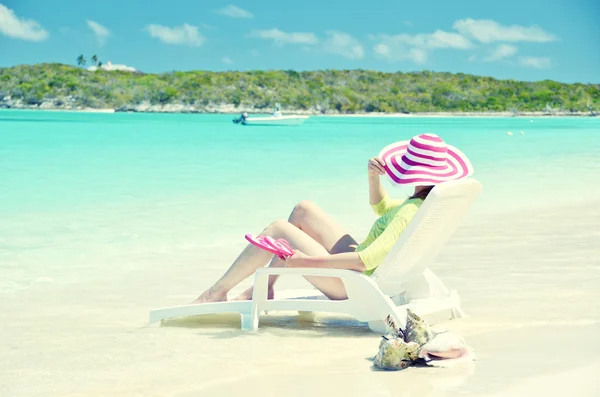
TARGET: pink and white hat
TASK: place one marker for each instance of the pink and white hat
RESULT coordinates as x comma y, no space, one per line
424,160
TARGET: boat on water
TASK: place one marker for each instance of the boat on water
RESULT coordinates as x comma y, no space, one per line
276,118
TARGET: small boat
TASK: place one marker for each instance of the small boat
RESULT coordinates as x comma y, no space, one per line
276,118
272,120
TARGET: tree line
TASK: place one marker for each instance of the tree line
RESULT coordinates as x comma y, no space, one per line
325,91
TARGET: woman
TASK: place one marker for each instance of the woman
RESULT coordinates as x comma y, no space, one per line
320,242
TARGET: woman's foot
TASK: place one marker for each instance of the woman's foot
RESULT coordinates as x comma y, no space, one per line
247,295
211,296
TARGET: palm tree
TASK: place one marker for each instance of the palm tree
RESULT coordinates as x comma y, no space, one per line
80,60
95,59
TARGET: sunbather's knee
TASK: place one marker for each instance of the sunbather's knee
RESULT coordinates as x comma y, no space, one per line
302,210
277,226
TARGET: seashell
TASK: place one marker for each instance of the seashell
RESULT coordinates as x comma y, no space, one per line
416,330
399,349
445,345
395,354
392,329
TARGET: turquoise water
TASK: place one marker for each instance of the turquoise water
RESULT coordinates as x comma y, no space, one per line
60,161
131,184
106,216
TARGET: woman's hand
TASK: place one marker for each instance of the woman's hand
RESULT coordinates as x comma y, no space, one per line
376,169
376,165
294,260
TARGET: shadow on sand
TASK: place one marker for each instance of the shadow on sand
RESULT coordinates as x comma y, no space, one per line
306,325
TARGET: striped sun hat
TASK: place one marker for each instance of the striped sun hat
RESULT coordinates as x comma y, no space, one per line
424,160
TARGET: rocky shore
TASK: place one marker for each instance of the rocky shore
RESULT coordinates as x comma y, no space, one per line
72,104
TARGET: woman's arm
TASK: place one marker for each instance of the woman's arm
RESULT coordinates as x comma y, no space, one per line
376,190
345,260
373,255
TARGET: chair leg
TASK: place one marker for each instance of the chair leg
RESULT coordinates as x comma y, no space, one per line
259,298
457,313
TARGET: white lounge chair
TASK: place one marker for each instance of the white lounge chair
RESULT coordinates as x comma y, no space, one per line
402,281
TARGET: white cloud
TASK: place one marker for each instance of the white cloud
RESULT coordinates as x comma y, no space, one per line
441,39
501,52
343,44
100,31
385,51
18,28
534,62
179,35
393,52
235,12
227,60
382,50
280,38
487,31
437,39
334,42
416,47
417,55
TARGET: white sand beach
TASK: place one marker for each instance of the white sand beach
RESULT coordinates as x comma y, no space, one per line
529,282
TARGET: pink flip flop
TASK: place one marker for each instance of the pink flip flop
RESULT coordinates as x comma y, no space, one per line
281,248
281,245
287,246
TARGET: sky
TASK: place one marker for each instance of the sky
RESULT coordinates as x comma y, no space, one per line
527,40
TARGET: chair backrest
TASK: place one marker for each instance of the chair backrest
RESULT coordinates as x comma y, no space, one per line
433,224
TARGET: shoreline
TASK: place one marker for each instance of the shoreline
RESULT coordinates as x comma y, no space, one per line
226,110
330,92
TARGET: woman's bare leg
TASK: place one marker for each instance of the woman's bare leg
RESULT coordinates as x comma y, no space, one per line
318,224
247,294
253,258
250,259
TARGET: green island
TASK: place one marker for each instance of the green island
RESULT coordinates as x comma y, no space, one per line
59,86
